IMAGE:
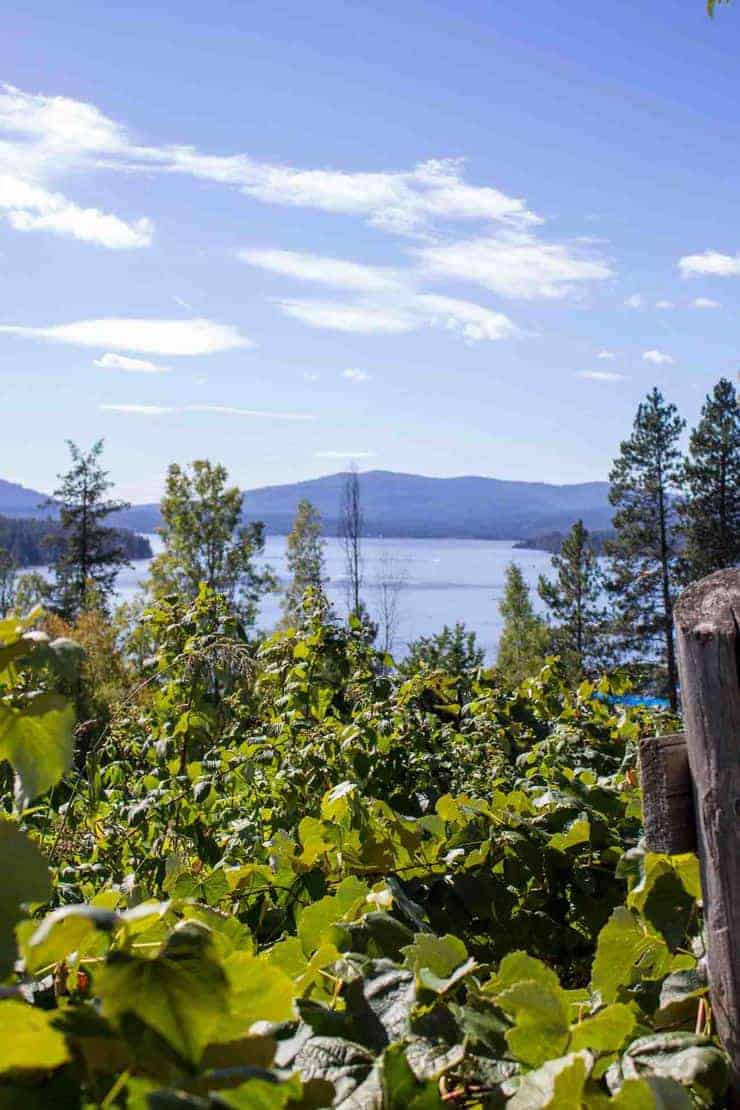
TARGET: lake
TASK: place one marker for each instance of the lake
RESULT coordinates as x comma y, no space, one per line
443,581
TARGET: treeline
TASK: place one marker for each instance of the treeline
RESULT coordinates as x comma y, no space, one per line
31,543
553,542
676,519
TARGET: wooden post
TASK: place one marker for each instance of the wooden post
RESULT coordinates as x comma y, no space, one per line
667,795
707,620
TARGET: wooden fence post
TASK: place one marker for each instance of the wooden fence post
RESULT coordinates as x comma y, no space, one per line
707,620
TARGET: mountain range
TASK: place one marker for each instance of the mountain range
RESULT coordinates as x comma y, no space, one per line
399,505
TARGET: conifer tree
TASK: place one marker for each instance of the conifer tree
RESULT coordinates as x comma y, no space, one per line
574,598
524,639
305,559
86,555
711,508
645,553
206,542
7,581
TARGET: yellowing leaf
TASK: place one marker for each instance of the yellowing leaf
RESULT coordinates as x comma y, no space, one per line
38,741
28,1040
25,879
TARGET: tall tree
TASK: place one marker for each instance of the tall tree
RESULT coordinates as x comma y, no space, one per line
205,541
710,509
305,559
351,530
8,571
575,598
645,553
525,640
86,555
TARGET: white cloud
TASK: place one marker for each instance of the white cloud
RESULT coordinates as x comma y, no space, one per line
635,301
606,355
139,410
408,313
149,337
706,302
263,414
658,358
344,454
471,320
664,304
309,376
324,271
356,375
600,376
131,365
52,137
710,262
346,317
514,266
220,410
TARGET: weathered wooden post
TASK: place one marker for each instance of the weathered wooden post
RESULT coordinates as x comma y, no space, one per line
707,620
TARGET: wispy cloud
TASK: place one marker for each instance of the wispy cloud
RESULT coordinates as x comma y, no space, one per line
706,302
348,317
130,365
515,266
664,304
472,321
219,410
356,375
606,355
151,337
658,358
139,410
710,262
336,272
344,454
635,301
600,376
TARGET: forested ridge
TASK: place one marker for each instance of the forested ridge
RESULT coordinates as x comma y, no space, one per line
279,870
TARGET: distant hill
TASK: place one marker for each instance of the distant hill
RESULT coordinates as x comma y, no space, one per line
31,541
553,541
402,505
409,505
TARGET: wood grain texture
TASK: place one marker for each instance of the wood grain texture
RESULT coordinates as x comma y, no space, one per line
707,621
667,795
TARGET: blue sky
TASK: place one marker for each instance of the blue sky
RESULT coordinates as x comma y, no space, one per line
432,237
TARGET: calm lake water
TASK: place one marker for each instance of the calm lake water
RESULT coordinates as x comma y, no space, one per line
443,581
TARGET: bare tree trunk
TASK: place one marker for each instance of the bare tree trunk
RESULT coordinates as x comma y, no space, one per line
352,526
390,582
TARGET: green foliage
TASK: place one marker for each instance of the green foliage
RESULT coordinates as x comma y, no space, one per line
711,478
524,641
454,651
305,559
294,877
205,541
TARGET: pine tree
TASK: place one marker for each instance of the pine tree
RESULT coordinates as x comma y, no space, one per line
574,598
305,559
524,639
205,541
645,553
86,555
711,478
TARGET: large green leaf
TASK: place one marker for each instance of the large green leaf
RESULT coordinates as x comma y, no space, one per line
625,945
28,1041
541,1020
181,993
25,879
38,741
557,1085
604,1032
258,991
316,918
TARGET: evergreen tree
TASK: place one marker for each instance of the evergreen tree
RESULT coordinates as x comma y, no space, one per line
645,553
711,479
524,639
453,650
86,555
574,598
204,541
305,559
